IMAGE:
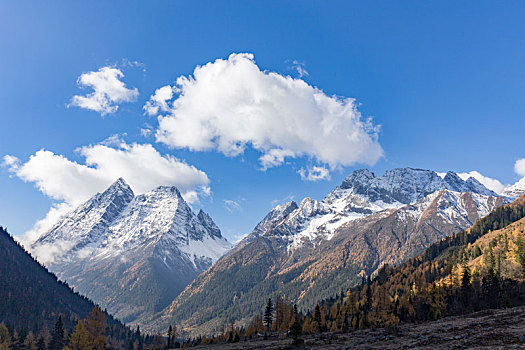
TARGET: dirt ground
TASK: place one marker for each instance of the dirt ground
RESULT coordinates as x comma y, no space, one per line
491,329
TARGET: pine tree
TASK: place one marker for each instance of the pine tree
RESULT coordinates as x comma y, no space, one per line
296,328
41,343
520,252
170,336
268,315
57,336
317,315
466,286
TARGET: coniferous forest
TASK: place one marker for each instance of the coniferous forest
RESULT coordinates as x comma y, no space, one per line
37,311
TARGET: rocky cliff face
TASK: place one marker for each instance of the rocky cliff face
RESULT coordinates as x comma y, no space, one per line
132,254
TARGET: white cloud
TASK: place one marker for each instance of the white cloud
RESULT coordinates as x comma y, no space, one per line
108,91
488,182
314,173
10,162
300,68
519,167
230,104
232,205
72,183
158,102
43,225
286,199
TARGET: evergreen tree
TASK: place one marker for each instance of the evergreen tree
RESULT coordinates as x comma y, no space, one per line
317,316
170,337
268,315
41,343
466,286
520,252
296,328
57,336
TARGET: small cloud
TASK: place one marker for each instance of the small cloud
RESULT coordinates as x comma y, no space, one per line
115,140
145,132
10,162
286,199
126,63
231,205
300,68
315,173
274,157
108,91
490,183
239,237
519,167
158,102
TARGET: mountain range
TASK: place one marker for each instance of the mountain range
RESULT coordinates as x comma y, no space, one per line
150,260
131,254
311,250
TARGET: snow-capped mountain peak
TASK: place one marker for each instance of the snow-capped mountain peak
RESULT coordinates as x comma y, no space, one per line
363,193
515,190
118,246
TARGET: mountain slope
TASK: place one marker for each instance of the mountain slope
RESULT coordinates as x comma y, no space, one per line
132,254
311,250
480,268
31,296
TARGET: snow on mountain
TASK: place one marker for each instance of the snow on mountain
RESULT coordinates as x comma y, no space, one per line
154,236
85,228
516,190
361,194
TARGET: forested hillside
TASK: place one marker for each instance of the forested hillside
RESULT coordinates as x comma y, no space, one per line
479,268
33,300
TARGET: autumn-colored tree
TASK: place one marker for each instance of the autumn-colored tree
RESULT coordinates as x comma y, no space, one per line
96,327
5,338
79,339
30,342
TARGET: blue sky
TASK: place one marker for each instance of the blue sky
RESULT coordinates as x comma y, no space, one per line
444,80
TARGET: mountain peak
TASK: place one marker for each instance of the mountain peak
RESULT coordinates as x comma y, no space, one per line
360,175
209,224
120,183
275,215
516,190
155,237
406,185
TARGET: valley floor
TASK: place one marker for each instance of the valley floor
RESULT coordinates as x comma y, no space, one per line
489,329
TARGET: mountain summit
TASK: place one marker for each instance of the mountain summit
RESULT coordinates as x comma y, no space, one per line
132,254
